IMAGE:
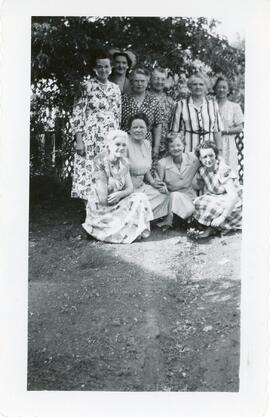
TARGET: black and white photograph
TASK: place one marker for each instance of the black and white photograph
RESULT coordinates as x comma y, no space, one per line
136,173
135,212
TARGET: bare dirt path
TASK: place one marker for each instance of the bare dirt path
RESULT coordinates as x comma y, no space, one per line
162,314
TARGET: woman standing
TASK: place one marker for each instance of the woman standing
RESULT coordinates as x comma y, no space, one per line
166,104
220,208
121,65
197,116
114,213
233,122
140,101
97,110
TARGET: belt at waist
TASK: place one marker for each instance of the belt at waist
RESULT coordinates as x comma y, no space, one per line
197,132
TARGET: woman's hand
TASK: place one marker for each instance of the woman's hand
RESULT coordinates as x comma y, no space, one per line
218,221
80,149
163,189
159,185
115,197
155,152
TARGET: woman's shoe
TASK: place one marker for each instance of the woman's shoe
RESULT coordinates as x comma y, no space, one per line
145,234
208,232
166,227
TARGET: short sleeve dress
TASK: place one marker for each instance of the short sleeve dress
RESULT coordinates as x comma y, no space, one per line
124,221
139,155
232,116
211,205
182,199
97,111
198,124
167,106
149,106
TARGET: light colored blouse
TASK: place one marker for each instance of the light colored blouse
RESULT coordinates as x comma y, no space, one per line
140,160
183,177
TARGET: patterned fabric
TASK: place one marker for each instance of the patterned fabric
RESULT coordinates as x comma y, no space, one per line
212,204
122,222
232,116
239,140
167,106
97,111
198,124
149,106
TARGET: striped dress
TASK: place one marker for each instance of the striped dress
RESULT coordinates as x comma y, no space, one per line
211,205
198,123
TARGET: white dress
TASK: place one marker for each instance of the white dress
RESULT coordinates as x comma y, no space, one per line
232,116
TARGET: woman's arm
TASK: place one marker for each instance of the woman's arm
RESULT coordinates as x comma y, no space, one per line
156,132
231,198
160,171
175,120
119,195
102,187
233,130
156,182
218,141
79,144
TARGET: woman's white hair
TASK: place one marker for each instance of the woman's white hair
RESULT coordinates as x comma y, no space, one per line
202,76
113,134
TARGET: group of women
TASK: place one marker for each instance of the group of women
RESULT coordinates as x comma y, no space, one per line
140,156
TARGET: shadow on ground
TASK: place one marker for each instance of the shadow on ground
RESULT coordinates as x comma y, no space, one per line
151,316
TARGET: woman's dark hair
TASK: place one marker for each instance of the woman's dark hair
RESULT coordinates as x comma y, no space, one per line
138,116
206,145
102,55
222,78
116,54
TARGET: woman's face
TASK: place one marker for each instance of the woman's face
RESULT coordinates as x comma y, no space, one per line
103,69
208,158
118,147
139,83
120,65
176,147
197,87
222,89
158,80
138,130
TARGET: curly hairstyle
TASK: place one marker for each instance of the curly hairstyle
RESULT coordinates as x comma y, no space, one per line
122,53
113,134
171,136
219,79
206,145
138,116
139,70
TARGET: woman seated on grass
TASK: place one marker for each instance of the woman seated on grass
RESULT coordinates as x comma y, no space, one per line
177,171
113,212
219,210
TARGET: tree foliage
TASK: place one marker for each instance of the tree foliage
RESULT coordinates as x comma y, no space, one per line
64,50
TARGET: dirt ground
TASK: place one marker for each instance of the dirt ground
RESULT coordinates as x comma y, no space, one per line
157,315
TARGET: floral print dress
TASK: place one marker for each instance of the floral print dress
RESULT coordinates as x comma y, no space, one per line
121,222
211,205
97,111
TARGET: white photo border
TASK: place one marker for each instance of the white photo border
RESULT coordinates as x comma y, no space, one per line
15,116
